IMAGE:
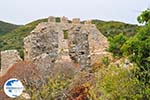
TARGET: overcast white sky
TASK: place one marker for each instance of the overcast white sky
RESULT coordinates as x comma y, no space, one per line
25,11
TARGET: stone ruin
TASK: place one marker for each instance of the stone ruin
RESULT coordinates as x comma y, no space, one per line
64,19
54,43
8,58
51,19
76,21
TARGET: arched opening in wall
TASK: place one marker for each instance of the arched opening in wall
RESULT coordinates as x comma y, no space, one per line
65,34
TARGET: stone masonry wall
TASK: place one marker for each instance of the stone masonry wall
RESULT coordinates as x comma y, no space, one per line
79,46
41,41
63,43
8,58
82,44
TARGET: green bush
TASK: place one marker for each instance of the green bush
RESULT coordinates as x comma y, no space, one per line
138,49
53,89
115,44
115,83
144,17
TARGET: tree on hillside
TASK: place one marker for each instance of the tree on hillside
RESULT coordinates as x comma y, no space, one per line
144,17
138,49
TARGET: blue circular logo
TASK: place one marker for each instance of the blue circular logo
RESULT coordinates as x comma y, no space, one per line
13,88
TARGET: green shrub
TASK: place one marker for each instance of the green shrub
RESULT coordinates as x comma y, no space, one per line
54,88
106,61
115,83
115,44
138,49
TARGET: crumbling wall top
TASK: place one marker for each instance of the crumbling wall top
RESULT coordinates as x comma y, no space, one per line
51,19
76,20
64,19
88,22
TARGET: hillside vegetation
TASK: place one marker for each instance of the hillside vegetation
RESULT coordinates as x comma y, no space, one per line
111,28
7,27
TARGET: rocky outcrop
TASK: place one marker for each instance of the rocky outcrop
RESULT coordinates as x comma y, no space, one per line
8,58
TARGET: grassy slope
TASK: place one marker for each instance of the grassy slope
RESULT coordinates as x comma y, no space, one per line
7,27
14,39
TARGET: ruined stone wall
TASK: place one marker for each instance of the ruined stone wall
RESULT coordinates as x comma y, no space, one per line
52,43
97,44
41,41
83,41
79,46
46,46
8,58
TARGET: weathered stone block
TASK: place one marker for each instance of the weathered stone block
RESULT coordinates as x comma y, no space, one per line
64,19
76,20
51,19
